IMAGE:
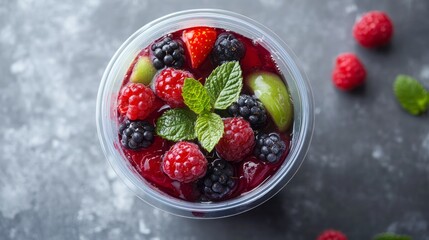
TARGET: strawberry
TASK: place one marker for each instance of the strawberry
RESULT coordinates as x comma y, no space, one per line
199,42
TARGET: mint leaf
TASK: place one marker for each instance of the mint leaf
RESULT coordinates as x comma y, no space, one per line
209,129
391,236
224,84
196,96
411,94
176,125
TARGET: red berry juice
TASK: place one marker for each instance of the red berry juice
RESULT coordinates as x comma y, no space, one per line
250,172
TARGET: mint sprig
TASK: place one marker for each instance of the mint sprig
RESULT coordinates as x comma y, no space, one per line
221,89
209,130
391,236
176,125
224,84
411,94
196,97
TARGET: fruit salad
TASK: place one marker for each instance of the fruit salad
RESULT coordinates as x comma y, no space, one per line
204,114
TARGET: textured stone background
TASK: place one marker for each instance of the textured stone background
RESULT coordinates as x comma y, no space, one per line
367,170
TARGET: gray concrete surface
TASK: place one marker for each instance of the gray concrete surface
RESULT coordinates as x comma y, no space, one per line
367,170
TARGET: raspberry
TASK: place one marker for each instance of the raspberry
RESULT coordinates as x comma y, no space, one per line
331,235
374,29
169,84
136,134
249,108
135,101
269,147
184,162
349,72
219,180
237,141
168,52
227,48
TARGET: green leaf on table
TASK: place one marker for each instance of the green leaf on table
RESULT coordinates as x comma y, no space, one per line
209,130
196,96
391,236
411,94
224,84
176,125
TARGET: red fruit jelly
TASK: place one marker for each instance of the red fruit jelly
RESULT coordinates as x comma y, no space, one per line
251,171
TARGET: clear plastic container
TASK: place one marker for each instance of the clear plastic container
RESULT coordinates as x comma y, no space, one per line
298,86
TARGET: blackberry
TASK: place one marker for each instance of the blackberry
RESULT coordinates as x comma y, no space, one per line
269,147
219,180
227,48
168,52
249,108
136,134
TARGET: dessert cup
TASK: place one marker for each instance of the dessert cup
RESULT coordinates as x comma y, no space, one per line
107,125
